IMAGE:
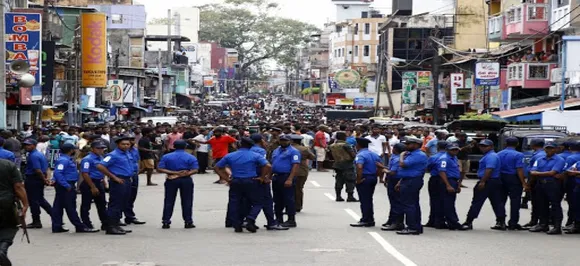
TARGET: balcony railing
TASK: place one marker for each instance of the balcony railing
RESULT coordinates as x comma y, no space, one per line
532,75
495,24
560,18
526,19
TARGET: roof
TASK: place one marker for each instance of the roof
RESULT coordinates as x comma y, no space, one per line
163,38
537,108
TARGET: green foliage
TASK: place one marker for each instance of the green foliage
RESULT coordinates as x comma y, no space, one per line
306,91
315,90
250,27
475,116
363,84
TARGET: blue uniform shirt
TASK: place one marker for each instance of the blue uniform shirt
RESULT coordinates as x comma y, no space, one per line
65,171
135,153
545,164
7,155
260,151
119,163
432,163
575,166
572,159
565,154
89,166
449,165
369,161
243,163
415,165
283,159
351,140
394,166
178,160
34,161
510,160
489,161
432,146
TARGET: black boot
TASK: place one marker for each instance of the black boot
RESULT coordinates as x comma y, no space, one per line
500,224
531,224
540,228
524,204
115,229
36,224
4,261
468,225
251,226
338,196
291,223
575,229
351,198
556,230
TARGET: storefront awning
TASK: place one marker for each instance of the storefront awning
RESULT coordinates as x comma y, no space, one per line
140,108
534,112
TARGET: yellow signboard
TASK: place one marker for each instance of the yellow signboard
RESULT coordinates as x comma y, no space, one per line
94,49
345,101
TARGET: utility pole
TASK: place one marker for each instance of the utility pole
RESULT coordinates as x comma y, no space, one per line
169,53
2,70
436,65
45,31
298,88
160,77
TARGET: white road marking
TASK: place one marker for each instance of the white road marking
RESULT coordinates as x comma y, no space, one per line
352,214
328,195
314,183
392,250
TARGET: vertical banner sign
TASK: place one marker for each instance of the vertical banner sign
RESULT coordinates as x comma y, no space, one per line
23,42
94,50
409,87
424,79
487,74
48,50
457,82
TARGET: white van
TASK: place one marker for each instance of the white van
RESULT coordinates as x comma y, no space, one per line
172,120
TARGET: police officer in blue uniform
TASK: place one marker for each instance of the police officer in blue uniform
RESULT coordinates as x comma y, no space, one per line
93,188
65,177
265,187
488,186
179,167
565,149
570,185
548,169
538,151
448,170
574,173
36,179
6,154
513,182
366,181
119,167
129,211
395,221
413,164
244,183
285,162
436,219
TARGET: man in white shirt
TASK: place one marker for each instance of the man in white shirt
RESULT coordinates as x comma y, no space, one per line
378,143
202,151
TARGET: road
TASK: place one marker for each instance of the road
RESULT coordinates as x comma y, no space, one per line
323,237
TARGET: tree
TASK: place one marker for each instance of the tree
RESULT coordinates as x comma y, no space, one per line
249,27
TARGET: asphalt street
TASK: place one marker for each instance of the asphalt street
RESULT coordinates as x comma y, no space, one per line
323,236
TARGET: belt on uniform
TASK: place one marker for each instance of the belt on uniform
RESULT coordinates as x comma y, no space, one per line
124,177
547,180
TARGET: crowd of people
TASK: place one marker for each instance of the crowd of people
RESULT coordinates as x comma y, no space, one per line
264,150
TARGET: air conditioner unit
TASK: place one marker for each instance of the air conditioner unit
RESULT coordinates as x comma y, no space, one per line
556,75
555,90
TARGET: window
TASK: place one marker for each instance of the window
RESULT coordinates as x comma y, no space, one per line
343,53
538,71
367,28
364,14
338,29
367,50
415,44
356,50
356,29
116,18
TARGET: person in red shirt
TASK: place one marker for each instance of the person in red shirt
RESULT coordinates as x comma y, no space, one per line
220,144
320,146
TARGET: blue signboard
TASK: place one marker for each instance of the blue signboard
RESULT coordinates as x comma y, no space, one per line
487,74
366,102
24,42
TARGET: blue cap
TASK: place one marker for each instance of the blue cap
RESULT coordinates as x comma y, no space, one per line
413,140
121,138
256,137
179,144
537,142
285,137
567,144
68,147
29,142
362,141
1,141
453,146
248,141
512,141
442,144
550,144
486,142
575,145
296,137
98,145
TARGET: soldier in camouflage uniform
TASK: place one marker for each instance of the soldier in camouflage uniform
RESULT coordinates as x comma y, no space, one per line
302,173
274,141
11,190
343,155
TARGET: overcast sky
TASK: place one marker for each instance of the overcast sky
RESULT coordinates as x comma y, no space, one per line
316,12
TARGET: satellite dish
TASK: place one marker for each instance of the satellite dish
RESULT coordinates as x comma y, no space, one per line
19,67
26,80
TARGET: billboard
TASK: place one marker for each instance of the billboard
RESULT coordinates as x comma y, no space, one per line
487,74
457,83
24,42
48,50
94,50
